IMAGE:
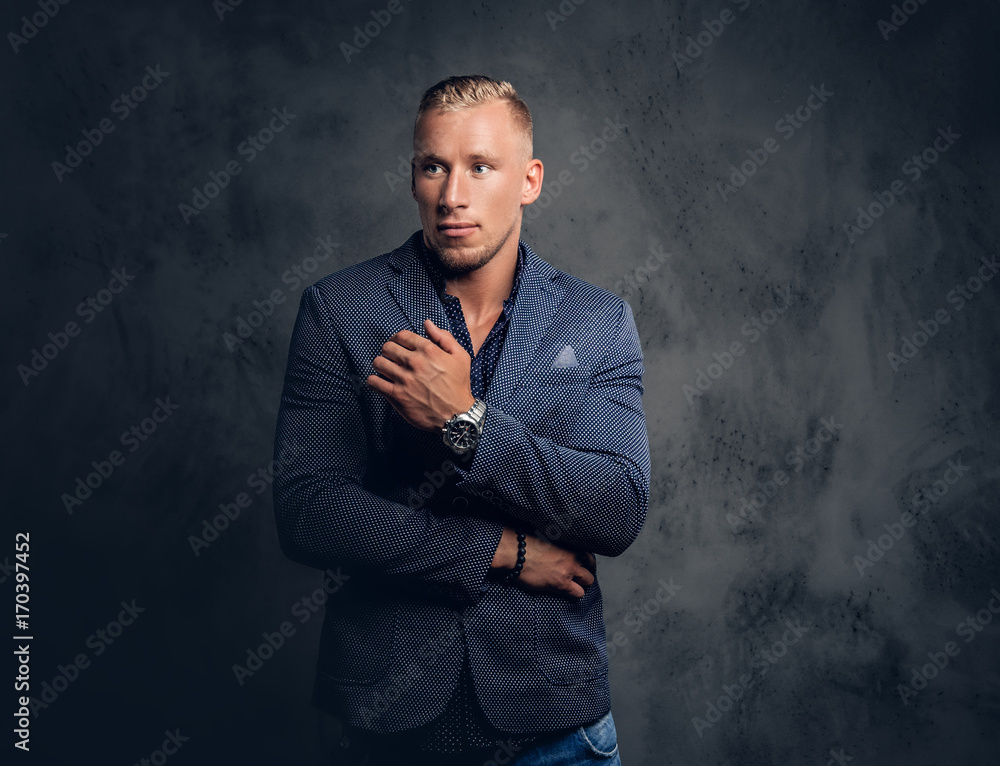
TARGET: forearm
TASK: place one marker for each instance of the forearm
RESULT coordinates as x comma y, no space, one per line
506,552
323,524
588,501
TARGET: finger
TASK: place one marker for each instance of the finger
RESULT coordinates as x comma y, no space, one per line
574,590
588,560
442,338
384,387
407,339
396,353
585,577
388,369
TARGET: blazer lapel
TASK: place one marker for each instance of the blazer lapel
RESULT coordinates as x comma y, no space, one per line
537,300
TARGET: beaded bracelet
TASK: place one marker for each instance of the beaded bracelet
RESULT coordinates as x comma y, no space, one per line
521,547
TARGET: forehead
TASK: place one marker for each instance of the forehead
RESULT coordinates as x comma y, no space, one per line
477,129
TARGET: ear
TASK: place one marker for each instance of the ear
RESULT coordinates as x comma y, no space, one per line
413,181
533,174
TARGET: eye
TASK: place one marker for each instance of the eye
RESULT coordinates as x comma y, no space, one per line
429,168
481,165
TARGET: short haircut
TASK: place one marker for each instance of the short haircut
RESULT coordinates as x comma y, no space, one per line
466,91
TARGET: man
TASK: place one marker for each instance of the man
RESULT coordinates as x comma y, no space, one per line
472,433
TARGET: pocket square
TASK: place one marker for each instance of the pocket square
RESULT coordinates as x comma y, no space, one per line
565,358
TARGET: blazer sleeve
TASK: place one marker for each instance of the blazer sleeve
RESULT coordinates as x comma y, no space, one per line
323,513
591,490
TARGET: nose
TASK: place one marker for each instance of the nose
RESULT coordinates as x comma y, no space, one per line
454,192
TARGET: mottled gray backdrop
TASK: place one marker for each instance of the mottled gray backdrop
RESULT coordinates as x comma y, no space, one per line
797,199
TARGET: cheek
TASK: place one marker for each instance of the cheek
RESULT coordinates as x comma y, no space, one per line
424,203
502,201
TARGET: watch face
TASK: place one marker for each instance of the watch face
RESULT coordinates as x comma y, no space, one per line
462,435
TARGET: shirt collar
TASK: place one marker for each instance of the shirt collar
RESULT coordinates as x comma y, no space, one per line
437,277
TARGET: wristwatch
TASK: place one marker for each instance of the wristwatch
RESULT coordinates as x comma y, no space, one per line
462,430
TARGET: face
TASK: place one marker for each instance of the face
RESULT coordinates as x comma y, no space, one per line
472,172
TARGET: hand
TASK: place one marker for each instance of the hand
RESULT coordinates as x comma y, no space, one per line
427,381
548,568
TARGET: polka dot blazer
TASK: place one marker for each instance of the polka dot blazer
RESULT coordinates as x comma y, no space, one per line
564,453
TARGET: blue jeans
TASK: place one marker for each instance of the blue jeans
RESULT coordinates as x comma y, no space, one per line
594,744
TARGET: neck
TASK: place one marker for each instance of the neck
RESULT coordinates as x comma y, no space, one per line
483,291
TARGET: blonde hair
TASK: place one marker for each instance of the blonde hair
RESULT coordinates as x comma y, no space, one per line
466,91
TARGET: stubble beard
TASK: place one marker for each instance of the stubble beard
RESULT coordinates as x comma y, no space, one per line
453,265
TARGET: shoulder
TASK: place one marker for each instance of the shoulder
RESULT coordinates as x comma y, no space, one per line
355,277
356,286
581,300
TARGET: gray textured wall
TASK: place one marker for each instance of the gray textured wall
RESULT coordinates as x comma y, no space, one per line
784,435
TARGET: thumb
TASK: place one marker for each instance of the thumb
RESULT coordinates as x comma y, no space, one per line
443,338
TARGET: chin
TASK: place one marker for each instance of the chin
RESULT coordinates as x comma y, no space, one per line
454,244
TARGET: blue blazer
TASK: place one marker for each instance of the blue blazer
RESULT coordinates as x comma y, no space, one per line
413,527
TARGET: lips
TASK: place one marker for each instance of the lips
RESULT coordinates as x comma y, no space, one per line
457,229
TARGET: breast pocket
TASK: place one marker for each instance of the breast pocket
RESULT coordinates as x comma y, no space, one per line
556,376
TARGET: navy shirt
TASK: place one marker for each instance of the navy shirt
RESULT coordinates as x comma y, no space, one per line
463,725
485,361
